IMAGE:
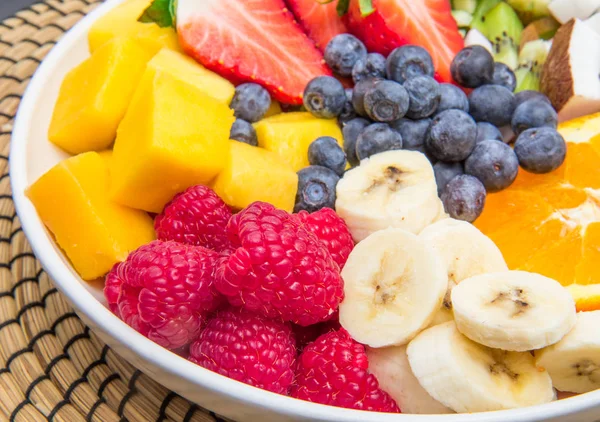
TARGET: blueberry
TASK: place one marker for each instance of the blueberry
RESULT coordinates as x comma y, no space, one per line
444,172
413,133
424,93
487,131
522,96
348,112
386,101
377,138
494,104
250,102
464,198
452,136
358,94
326,152
533,113
243,131
325,97
407,62
351,131
452,97
372,66
316,189
540,150
504,76
472,67
342,53
494,163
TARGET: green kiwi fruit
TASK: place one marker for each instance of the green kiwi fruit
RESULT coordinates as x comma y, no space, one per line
503,28
541,29
530,10
483,6
531,62
468,6
463,19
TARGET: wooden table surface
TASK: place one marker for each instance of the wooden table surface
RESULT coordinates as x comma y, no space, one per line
9,7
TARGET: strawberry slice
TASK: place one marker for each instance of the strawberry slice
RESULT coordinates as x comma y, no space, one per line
251,41
394,23
320,21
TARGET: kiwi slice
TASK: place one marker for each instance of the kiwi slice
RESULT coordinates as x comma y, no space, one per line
531,62
463,19
503,28
483,6
530,10
541,29
468,6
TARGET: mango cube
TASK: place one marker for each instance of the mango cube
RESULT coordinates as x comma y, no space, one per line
188,70
94,97
122,21
254,174
290,134
95,232
173,136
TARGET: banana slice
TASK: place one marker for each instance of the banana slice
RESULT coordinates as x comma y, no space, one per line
393,285
465,251
390,189
390,366
574,362
468,377
513,310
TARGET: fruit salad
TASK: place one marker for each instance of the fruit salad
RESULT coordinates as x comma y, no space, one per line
382,205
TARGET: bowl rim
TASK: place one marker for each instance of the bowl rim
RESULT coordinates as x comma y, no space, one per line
98,314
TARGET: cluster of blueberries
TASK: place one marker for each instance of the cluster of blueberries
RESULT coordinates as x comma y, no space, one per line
397,104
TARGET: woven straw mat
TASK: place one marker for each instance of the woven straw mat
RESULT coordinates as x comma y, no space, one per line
52,367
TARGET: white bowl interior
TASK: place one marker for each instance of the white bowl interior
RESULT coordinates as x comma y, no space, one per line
32,155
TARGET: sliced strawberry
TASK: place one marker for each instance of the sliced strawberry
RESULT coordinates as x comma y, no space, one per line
394,23
251,41
320,21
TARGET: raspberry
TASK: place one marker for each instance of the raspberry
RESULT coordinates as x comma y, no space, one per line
334,370
331,230
195,217
164,290
306,335
279,269
249,348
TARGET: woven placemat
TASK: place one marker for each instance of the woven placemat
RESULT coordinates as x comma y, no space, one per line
52,367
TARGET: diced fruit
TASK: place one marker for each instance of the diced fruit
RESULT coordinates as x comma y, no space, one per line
503,27
565,10
274,109
255,41
290,134
475,37
543,29
123,21
532,57
570,74
95,233
173,136
188,70
529,10
252,174
427,23
587,297
320,20
95,95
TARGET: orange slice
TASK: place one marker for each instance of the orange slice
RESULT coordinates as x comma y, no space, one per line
550,224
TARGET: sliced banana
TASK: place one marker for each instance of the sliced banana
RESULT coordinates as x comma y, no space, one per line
393,285
469,377
465,251
390,366
390,189
574,362
513,310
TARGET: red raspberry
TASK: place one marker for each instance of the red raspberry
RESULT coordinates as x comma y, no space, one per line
331,230
279,269
306,335
249,348
334,370
195,217
164,290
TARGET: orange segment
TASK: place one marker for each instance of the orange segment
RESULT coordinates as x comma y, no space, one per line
587,298
582,169
588,270
563,196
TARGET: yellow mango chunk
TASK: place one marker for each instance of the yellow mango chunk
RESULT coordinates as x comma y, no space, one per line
123,21
274,108
173,136
254,174
94,97
290,134
95,232
188,70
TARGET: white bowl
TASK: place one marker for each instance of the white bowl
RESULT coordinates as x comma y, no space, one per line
31,155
